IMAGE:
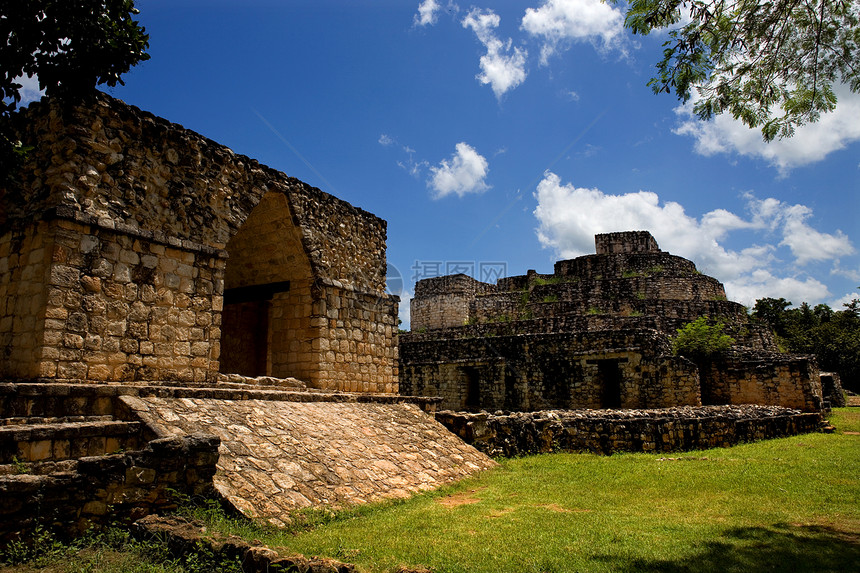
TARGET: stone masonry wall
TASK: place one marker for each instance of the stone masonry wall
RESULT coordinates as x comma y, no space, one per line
117,250
792,381
102,490
444,302
24,268
115,162
540,371
357,345
607,432
625,242
117,307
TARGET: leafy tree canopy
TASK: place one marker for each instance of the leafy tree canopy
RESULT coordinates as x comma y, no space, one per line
70,45
770,63
833,336
701,340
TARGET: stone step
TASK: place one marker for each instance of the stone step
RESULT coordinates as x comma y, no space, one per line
29,420
43,442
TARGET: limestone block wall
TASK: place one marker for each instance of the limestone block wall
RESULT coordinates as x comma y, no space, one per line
763,378
116,306
607,432
24,267
443,302
357,344
598,267
128,235
101,490
625,242
552,370
115,162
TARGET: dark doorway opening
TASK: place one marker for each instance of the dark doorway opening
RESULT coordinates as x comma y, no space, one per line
610,380
244,342
473,387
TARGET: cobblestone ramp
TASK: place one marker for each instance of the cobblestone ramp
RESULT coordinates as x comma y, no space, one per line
276,457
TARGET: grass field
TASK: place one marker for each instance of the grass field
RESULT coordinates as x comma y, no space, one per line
791,504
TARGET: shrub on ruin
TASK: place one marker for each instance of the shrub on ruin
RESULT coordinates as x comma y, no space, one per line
702,339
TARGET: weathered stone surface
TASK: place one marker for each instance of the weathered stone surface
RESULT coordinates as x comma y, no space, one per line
610,431
73,495
594,334
281,456
136,250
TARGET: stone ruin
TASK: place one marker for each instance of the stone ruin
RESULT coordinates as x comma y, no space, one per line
177,317
154,285
136,250
596,333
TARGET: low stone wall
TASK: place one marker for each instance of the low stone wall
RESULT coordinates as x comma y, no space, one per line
610,431
104,489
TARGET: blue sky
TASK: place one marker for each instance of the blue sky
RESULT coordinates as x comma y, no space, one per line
504,135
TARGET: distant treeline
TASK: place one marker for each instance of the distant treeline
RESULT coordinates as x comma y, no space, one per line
832,335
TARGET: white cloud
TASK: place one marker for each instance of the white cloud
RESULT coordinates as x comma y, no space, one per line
501,68
464,173
810,143
762,283
569,217
428,13
806,243
839,303
561,22
385,140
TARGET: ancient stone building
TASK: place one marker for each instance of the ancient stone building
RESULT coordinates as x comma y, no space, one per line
132,249
594,334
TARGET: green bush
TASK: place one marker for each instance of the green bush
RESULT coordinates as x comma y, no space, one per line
701,340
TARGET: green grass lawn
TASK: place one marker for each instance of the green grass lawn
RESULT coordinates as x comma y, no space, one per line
791,504
784,505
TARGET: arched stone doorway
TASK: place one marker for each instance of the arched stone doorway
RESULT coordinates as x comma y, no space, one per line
266,326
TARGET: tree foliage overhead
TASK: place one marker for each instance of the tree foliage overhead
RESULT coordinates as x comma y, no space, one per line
70,45
833,336
769,63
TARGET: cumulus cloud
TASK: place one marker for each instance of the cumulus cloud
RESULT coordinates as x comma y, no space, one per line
761,283
464,173
810,143
428,13
558,23
569,217
501,67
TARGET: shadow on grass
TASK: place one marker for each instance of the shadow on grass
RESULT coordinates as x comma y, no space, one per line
780,547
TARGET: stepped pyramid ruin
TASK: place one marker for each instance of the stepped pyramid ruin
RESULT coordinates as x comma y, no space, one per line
594,334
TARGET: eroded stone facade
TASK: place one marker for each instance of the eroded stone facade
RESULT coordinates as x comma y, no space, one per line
594,334
133,249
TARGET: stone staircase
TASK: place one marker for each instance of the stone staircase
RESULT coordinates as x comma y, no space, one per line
264,448
38,443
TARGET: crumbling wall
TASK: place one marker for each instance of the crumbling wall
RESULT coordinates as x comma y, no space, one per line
786,380
101,490
607,432
550,370
625,242
444,302
124,233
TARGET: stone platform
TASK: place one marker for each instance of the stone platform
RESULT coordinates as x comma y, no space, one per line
280,449
279,456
